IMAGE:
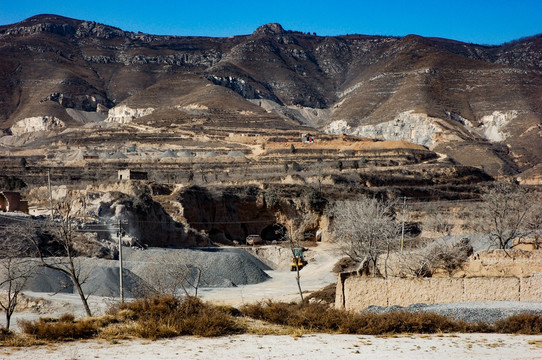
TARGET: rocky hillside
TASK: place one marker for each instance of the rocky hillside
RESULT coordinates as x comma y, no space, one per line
480,105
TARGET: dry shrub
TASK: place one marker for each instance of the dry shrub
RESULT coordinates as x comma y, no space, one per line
313,316
400,322
5,334
64,328
150,329
149,318
9,338
166,316
320,317
528,324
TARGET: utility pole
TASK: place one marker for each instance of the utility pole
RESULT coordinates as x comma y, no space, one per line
403,224
121,277
50,192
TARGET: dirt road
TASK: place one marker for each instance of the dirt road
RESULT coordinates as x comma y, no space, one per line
282,286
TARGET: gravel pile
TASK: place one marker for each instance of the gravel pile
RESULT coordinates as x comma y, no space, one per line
102,279
168,154
210,154
185,154
488,312
236,154
220,267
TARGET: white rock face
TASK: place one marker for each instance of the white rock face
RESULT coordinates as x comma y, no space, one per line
85,117
492,125
123,114
36,123
193,106
303,115
414,127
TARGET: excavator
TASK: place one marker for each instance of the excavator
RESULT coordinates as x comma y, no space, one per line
298,261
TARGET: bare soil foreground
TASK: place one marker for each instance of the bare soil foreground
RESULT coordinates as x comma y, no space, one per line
316,346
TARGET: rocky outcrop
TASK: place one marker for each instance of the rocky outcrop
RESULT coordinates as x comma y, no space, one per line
492,126
269,29
90,103
36,123
307,116
123,114
229,214
178,59
417,128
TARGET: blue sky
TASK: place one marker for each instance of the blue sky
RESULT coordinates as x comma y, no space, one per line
482,22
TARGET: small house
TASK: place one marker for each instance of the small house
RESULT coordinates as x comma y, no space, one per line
11,201
127,174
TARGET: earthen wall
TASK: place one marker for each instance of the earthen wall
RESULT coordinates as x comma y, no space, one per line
356,293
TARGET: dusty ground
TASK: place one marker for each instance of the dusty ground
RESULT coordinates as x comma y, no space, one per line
317,346
282,286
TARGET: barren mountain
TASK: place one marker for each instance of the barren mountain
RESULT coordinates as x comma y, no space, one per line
478,104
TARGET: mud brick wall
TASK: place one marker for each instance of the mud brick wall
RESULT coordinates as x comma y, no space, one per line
357,293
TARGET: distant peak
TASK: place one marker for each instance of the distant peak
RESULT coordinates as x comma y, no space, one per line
269,29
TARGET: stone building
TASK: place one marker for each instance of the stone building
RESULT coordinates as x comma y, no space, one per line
11,201
127,174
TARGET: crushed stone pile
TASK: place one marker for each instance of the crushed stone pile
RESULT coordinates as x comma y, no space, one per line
486,311
210,154
118,155
167,154
220,267
102,279
236,154
185,154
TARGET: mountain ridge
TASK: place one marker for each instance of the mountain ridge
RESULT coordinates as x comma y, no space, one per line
444,94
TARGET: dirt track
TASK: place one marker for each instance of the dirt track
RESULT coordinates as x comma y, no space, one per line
282,286
317,346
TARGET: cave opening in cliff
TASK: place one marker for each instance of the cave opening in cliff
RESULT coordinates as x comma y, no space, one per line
273,232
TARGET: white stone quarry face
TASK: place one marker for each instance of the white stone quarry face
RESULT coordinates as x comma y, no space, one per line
492,127
123,114
424,130
36,123
414,127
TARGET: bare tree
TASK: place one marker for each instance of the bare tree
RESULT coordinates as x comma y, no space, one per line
506,208
64,257
438,222
435,256
534,225
15,270
365,230
294,234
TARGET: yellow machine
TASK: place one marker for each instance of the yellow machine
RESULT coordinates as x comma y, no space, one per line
298,261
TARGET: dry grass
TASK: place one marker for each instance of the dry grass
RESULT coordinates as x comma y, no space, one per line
527,324
320,317
154,318
63,328
164,317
